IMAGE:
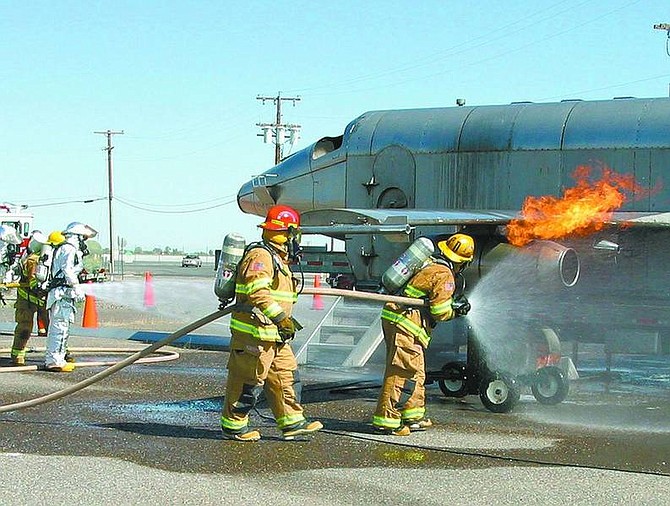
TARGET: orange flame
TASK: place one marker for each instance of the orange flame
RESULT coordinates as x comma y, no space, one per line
582,210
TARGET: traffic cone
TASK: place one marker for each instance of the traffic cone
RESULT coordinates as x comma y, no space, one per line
317,302
90,319
148,290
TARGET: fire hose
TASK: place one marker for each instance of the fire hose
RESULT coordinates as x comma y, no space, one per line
186,330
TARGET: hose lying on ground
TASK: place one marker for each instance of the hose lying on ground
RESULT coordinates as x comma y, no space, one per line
187,329
163,356
117,367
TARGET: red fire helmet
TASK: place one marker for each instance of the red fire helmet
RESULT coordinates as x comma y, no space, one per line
281,217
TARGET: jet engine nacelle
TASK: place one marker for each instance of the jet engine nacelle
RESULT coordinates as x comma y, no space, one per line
547,261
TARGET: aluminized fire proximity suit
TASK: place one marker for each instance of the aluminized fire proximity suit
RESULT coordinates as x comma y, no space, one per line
407,334
259,358
29,300
66,266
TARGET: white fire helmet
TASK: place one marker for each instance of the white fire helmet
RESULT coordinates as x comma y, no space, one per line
37,240
76,228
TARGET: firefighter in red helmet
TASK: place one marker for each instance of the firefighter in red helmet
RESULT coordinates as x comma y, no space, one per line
401,403
261,329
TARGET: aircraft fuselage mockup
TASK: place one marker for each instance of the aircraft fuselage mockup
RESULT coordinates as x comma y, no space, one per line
396,175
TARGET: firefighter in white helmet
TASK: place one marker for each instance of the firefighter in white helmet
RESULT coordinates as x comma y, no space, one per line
30,298
64,292
402,400
9,247
261,357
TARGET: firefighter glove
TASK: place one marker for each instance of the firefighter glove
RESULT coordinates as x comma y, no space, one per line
286,329
461,306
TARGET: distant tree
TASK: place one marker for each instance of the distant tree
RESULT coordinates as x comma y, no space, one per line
137,250
157,251
94,260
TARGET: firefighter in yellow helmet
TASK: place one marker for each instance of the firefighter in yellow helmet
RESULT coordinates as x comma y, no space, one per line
30,298
261,357
56,238
402,400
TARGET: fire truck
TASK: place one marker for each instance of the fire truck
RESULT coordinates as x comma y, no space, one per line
19,218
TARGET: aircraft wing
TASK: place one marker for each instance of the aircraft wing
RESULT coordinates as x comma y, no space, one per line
391,221
340,222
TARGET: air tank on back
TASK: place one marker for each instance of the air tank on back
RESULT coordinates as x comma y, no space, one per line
232,251
402,270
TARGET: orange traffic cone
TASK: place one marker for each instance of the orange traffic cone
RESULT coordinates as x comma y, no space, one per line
90,319
148,290
317,302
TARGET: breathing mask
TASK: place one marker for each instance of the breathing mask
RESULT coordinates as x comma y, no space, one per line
82,246
293,243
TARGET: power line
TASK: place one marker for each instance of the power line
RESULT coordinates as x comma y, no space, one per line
163,211
86,201
190,204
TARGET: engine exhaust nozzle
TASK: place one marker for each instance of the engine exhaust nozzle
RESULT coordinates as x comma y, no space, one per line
547,261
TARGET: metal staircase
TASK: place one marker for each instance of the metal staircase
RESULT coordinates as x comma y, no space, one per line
347,335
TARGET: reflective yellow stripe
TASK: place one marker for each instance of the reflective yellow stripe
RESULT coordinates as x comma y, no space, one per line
413,413
18,353
254,286
387,423
229,424
259,284
402,321
284,296
34,299
272,310
410,291
442,308
264,333
288,420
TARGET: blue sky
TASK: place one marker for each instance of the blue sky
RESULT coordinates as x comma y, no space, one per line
181,80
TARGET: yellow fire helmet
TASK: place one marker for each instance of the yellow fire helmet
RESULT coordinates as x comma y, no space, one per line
56,237
458,248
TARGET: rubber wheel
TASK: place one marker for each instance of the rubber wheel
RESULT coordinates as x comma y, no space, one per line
550,386
453,381
499,393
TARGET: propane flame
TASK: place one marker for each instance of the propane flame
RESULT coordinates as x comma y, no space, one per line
582,210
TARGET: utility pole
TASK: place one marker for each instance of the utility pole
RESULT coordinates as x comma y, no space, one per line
666,27
277,129
109,148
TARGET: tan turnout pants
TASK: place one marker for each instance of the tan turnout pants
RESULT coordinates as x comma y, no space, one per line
256,366
403,394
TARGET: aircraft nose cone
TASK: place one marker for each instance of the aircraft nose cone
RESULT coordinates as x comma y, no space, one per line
249,201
